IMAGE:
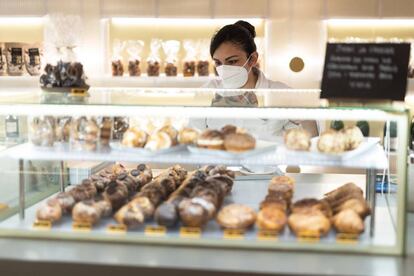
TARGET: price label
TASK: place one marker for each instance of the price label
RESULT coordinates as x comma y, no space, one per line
78,92
117,229
3,206
190,232
155,230
233,234
42,224
267,235
308,236
81,226
347,238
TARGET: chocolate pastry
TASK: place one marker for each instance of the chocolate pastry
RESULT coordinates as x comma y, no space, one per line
189,68
117,169
348,221
133,68
213,194
153,68
86,212
221,170
117,68
129,182
66,202
50,211
193,214
130,215
203,68
170,69
236,216
225,182
84,191
117,194
142,175
166,214
146,206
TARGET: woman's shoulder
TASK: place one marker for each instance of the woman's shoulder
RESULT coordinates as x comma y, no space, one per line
263,82
214,83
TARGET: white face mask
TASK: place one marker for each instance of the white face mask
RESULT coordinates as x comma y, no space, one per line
232,76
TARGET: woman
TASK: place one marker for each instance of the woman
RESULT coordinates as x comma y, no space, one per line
235,56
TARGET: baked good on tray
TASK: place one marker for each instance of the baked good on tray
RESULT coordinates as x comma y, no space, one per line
271,217
236,216
353,137
50,211
134,138
332,141
211,139
297,139
239,142
348,221
314,224
188,136
86,212
159,140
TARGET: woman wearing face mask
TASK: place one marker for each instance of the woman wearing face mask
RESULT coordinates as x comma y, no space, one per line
234,53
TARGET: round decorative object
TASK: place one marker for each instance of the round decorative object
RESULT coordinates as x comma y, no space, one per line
296,64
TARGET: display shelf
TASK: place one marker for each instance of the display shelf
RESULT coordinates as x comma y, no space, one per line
372,159
249,192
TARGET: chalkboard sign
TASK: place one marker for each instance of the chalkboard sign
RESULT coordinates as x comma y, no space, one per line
365,70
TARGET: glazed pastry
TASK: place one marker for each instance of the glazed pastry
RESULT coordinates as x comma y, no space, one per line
166,214
66,202
50,211
310,205
349,222
221,170
211,139
142,175
86,212
239,142
158,141
359,205
104,207
353,137
145,204
188,136
129,182
192,214
297,139
117,194
172,132
313,224
134,138
236,216
228,129
84,191
332,141
130,215
272,218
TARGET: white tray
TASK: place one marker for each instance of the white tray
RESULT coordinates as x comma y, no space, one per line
143,151
261,147
314,153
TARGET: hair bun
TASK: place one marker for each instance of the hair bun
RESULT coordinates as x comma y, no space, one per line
249,27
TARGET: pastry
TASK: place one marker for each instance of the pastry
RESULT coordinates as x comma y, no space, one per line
221,170
282,191
310,205
211,139
297,139
134,138
158,141
66,202
117,169
272,218
105,127
192,214
142,175
282,179
228,129
145,204
170,69
104,207
203,68
332,141
172,132
348,221
86,212
309,224
129,182
188,136
338,196
239,142
117,194
189,68
166,214
133,68
50,211
359,205
153,68
236,216
274,203
130,215
353,137
84,191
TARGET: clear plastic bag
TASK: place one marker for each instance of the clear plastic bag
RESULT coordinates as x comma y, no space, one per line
203,62
85,134
134,49
120,125
42,131
32,58
2,60
105,131
63,128
153,60
189,65
239,99
117,66
171,48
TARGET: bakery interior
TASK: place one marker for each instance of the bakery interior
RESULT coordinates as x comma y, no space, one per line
115,173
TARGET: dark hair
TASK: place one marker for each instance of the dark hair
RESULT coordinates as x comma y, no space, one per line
241,33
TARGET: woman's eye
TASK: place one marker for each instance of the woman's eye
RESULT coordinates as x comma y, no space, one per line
217,63
232,61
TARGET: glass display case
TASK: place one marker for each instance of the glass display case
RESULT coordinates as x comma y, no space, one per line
259,181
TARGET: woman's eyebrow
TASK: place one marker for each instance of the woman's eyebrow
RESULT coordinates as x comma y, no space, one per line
230,57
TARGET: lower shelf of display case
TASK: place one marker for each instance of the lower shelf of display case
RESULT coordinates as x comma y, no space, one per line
374,158
245,191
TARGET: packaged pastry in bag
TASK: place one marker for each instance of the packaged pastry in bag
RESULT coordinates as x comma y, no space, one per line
121,124
85,134
190,58
32,59
14,57
105,130
2,60
117,66
42,131
134,49
171,48
63,128
153,60
203,63
238,99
